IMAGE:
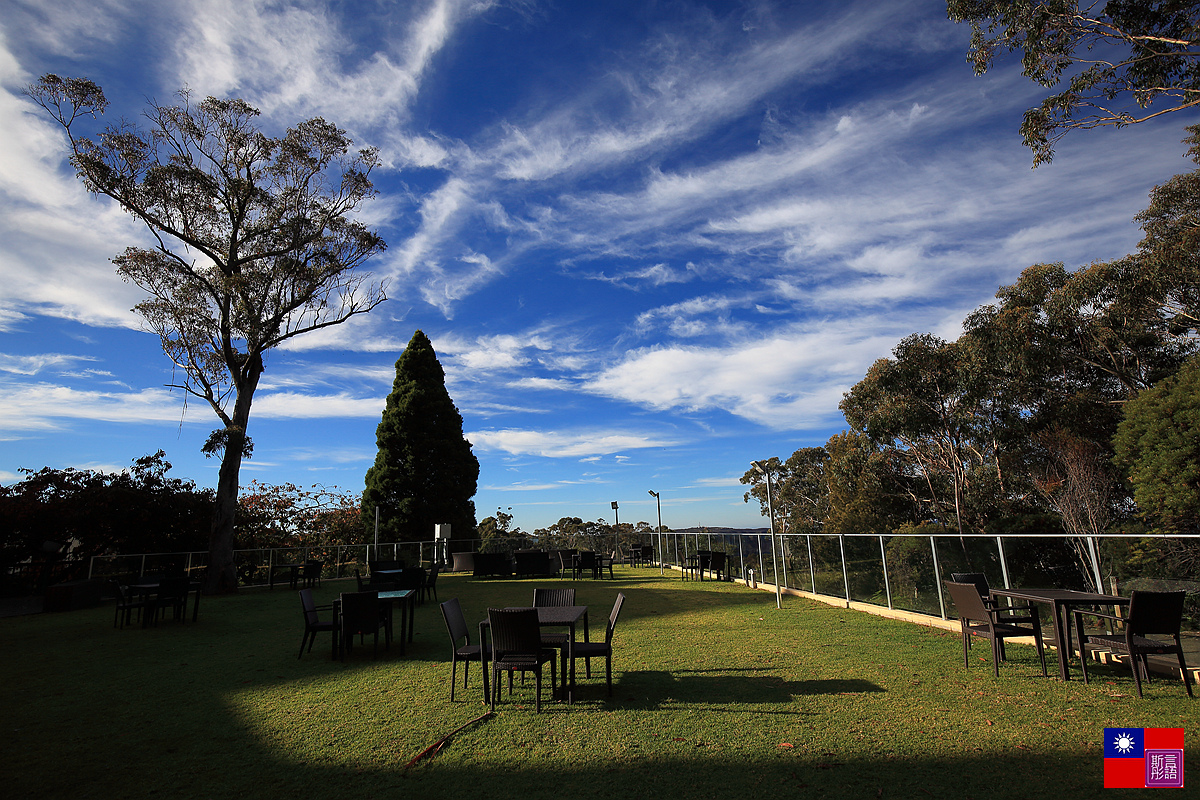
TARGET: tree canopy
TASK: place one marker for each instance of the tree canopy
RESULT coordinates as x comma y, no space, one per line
255,244
1158,443
85,513
1014,425
424,472
1118,62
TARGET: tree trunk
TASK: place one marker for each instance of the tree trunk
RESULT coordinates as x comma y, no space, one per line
221,577
222,574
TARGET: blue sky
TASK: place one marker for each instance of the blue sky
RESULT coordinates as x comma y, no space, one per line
650,241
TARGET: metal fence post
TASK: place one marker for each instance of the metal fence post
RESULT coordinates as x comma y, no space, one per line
1003,562
1095,556
937,577
845,572
783,554
887,586
812,568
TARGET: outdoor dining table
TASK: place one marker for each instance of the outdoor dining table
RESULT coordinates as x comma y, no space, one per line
387,574
406,598
548,617
149,586
293,571
1062,601
408,602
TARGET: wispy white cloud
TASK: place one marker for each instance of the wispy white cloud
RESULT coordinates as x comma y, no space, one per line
33,364
550,384
653,275
784,381
296,405
556,444
303,58
55,240
45,406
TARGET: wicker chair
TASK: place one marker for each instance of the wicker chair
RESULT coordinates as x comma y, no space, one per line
362,613
313,624
1150,614
172,594
310,573
456,626
429,588
716,566
412,578
517,647
587,561
590,650
127,602
994,624
981,585
555,597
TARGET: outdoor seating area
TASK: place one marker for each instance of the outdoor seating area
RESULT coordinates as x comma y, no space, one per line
542,564
152,597
704,675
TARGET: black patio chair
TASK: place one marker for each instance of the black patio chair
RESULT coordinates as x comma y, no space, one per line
716,566
980,582
994,624
517,647
313,624
412,578
310,573
555,597
1150,614
377,583
429,587
566,563
590,650
172,594
456,626
128,601
362,613
586,561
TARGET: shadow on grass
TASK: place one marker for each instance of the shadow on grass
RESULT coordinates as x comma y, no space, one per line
725,687
694,770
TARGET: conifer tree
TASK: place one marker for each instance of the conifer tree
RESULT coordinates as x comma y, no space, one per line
424,473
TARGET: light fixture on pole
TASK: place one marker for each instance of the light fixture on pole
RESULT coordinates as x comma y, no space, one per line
658,503
616,527
761,467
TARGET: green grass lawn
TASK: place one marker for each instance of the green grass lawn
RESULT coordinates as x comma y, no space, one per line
717,694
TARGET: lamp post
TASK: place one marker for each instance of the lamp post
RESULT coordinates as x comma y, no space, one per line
658,503
616,528
761,467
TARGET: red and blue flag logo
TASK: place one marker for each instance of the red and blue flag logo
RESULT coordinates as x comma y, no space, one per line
1143,758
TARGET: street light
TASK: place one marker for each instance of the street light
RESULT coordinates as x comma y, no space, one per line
761,467
616,528
658,503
